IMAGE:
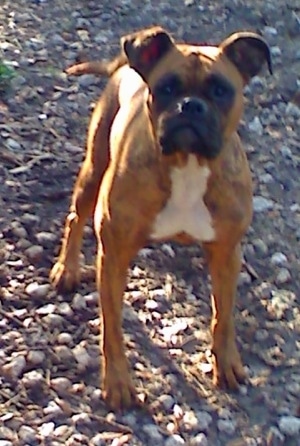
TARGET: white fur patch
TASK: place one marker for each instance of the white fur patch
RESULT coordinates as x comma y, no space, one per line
185,210
130,83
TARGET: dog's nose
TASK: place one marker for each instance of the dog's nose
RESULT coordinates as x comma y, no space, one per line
193,106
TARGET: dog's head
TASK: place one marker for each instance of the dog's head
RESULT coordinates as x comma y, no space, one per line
195,97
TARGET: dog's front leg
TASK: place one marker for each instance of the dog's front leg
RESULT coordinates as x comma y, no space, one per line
224,265
113,258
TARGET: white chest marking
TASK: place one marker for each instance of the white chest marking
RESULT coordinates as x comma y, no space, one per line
185,210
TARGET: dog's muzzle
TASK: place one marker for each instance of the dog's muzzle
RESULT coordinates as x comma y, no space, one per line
191,127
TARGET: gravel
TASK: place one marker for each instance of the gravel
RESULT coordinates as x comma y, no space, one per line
50,359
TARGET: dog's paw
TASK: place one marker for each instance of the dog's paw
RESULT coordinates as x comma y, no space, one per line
119,391
228,369
64,278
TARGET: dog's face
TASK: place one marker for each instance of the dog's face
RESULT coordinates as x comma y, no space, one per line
195,96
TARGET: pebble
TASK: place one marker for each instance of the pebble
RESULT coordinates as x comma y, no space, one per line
33,379
19,231
34,252
86,80
262,204
64,338
278,258
190,420
98,440
79,303
167,401
30,219
91,299
283,276
204,420
81,356
256,126
37,290
61,385
53,409
275,437
260,246
12,144
174,440
270,31
54,321
226,426
27,434
289,425
286,152
152,431
6,443
36,357
292,110
45,238
15,367
46,429
199,440
275,51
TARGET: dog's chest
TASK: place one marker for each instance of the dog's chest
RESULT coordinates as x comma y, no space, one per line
185,211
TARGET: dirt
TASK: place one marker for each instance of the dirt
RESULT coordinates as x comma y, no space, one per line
43,122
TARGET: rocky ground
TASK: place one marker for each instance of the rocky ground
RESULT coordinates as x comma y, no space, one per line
49,354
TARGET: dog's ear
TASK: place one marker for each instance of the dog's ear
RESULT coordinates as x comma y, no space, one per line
248,52
145,48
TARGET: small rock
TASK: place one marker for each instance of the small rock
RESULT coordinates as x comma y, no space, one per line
168,250
226,426
36,290
27,435
34,253
174,440
12,144
19,231
81,418
82,357
6,443
190,420
30,219
286,152
152,431
289,425
65,309
91,299
266,178
79,303
64,338
260,246
224,413
269,31
46,239
36,357
204,420
244,278
167,401
275,51
54,321
61,385
199,440
262,204
283,276
275,437
98,440
256,126
261,335
46,429
53,409
278,258
86,80
292,110
33,380
14,369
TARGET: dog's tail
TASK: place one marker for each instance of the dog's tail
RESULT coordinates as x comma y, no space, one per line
102,68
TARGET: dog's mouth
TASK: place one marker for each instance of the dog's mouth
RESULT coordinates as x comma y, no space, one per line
177,134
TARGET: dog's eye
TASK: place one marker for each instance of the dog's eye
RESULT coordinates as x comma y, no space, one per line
220,90
169,86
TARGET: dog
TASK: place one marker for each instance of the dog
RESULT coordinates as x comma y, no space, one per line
164,162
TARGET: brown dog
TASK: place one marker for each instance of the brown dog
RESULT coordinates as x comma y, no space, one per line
164,162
